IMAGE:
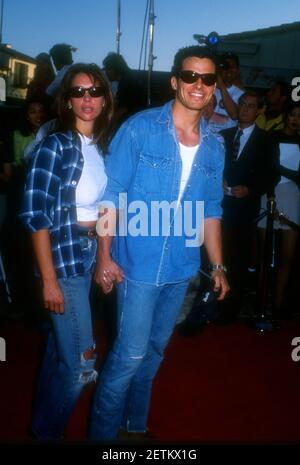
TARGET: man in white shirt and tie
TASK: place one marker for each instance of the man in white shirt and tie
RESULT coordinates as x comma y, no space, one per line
249,161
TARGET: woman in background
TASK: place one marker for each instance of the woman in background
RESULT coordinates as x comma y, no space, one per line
287,196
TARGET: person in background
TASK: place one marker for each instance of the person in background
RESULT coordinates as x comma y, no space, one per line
227,93
33,115
249,162
129,97
43,76
61,55
287,196
65,181
16,253
271,116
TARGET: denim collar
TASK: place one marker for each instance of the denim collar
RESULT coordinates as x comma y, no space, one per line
166,117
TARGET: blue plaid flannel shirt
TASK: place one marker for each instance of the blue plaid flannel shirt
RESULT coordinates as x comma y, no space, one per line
49,200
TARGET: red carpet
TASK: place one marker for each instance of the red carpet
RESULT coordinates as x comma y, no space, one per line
229,384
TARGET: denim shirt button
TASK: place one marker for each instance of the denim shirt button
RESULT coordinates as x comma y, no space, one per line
65,209
73,183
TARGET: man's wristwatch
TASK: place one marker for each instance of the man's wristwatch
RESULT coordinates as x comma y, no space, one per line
217,267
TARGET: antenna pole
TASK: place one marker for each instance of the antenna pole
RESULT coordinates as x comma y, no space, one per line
151,57
119,33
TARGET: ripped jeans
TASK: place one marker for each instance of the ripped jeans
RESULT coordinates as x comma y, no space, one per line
68,363
146,317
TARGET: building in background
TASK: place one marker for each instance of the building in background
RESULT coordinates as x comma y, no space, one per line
266,55
17,69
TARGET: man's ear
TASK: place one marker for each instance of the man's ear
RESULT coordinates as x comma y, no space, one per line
174,83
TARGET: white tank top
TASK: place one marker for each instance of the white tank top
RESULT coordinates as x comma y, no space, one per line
92,183
187,157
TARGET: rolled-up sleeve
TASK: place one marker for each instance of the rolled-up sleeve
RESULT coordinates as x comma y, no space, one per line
42,186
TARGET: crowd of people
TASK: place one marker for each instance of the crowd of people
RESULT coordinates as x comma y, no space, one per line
87,175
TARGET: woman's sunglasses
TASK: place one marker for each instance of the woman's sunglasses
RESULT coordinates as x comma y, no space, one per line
190,77
79,92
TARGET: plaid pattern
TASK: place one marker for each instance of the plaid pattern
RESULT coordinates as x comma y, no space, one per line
49,200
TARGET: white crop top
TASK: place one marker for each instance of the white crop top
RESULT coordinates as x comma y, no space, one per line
92,182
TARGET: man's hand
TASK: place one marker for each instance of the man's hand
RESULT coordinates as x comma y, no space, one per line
220,284
107,273
52,296
240,191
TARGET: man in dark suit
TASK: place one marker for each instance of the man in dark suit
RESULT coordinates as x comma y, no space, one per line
247,175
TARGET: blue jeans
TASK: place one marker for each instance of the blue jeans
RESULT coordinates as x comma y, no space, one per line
146,317
65,369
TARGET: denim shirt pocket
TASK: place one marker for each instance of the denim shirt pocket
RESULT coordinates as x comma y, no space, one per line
152,175
208,172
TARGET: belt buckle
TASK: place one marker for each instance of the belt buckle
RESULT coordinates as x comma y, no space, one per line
91,233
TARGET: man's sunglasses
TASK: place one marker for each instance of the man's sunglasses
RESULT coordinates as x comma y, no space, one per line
79,92
190,77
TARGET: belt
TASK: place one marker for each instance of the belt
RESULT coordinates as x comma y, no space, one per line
91,233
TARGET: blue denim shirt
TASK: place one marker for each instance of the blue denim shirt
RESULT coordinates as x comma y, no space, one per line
145,163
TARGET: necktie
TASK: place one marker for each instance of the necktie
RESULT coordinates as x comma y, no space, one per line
236,145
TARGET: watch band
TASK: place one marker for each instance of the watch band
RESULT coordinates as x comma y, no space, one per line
217,267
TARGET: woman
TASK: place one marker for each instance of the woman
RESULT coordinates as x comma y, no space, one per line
64,184
16,253
34,114
287,195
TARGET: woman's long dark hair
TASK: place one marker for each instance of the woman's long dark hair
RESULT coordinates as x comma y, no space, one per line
24,125
103,124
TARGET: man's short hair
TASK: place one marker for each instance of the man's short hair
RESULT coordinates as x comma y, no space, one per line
252,93
61,54
188,52
231,56
116,62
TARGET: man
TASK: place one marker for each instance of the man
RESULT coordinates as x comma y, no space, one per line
61,55
247,175
130,97
227,93
162,155
271,118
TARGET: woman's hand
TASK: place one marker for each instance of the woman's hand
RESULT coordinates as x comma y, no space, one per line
107,273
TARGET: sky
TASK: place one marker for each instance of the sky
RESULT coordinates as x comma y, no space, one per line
33,26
